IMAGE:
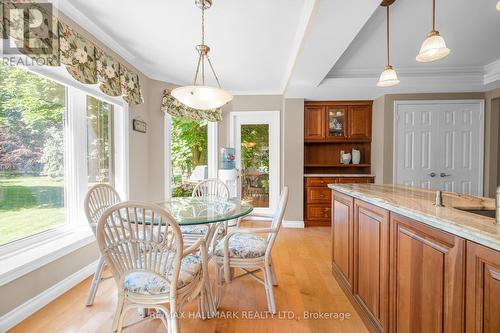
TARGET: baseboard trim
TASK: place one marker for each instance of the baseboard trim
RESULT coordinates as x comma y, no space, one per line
23,311
293,224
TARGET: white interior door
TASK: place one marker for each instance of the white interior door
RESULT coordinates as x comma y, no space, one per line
439,145
256,139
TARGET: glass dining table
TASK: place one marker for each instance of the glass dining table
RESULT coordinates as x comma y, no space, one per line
196,211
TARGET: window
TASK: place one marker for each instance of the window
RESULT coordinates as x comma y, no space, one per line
47,158
99,144
32,112
189,151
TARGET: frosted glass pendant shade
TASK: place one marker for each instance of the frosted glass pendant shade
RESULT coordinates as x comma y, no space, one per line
202,97
388,77
433,48
498,6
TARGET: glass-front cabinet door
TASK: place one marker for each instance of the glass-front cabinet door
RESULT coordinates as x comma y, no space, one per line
336,123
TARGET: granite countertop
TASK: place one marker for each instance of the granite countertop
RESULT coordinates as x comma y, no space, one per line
418,204
334,175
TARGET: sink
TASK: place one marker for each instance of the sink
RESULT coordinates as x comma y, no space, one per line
482,212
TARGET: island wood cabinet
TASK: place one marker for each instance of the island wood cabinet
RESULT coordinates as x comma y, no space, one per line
402,275
426,278
371,262
483,289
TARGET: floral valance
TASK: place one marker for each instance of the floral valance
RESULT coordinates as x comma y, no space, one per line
55,43
173,107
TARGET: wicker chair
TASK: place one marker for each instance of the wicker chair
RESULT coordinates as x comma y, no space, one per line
99,198
242,248
143,247
209,189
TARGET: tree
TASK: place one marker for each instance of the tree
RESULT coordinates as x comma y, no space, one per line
29,104
189,143
53,154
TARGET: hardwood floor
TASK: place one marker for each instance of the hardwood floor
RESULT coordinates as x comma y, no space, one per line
305,283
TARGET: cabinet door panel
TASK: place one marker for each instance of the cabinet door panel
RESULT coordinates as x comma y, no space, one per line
360,122
371,261
427,277
350,180
342,230
314,123
483,289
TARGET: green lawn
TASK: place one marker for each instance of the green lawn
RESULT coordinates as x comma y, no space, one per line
29,205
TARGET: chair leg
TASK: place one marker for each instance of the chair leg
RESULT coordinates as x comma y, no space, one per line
118,313
269,290
218,285
95,281
273,272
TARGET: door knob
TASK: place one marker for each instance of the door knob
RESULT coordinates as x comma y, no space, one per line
432,174
442,174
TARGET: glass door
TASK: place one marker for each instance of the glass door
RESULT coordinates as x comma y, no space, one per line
336,123
255,137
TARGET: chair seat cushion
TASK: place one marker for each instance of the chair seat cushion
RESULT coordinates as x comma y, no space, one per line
243,245
150,284
195,229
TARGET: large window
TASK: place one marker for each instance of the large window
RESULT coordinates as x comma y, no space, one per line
189,151
43,147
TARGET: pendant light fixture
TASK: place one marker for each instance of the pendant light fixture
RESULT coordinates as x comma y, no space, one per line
498,6
197,96
433,48
388,77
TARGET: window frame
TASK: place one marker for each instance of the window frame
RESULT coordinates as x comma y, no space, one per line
22,256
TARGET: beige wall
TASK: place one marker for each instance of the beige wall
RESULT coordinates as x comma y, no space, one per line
383,133
292,143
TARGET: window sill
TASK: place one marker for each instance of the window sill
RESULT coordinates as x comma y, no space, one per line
22,261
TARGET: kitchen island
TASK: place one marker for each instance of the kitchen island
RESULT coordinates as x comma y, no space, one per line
409,266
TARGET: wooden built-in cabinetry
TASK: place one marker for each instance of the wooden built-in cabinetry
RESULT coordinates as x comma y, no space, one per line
405,276
329,128
317,210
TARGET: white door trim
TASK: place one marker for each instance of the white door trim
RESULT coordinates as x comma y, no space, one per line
451,101
274,155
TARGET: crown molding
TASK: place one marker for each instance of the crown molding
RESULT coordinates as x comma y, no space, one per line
492,72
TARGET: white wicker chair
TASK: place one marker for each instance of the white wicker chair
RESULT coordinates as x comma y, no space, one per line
242,248
208,189
143,247
98,198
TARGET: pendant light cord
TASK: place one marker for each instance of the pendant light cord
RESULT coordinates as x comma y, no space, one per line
388,36
433,15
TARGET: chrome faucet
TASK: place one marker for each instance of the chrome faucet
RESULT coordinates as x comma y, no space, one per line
439,199
497,219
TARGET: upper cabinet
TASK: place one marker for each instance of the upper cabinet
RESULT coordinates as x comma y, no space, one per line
338,121
314,123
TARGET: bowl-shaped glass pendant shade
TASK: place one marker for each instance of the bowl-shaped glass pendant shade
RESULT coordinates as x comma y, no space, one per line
202,97
388,77
498,6
433,48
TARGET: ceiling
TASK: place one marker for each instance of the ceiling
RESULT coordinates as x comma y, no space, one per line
318,49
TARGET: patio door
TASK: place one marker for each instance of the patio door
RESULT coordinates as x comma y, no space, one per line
256,139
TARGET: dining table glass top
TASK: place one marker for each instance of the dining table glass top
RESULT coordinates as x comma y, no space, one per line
188,210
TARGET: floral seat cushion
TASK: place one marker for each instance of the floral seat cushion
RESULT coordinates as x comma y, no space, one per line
149,284
195,229
243,245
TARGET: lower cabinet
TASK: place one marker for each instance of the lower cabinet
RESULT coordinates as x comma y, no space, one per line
405,276
371,262
426,278
483,289
342,231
